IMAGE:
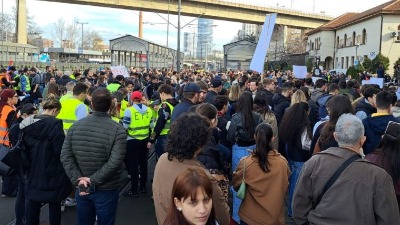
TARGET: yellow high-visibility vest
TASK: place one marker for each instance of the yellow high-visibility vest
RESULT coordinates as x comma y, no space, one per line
67,113
139,128
167,126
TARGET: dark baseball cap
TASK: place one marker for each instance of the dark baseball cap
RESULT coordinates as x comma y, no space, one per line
192,87
216,82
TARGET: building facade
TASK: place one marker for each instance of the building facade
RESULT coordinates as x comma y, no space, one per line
349,39
190,44
204,37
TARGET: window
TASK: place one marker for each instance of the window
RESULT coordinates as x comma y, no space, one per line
337,42
364,37
354,38
398,33
345,40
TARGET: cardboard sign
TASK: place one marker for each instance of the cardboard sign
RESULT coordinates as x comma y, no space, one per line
300,72
119,70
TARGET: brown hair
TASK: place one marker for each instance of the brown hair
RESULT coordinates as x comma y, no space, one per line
185,186
51,102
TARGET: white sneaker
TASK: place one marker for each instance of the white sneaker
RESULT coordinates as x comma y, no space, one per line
70,202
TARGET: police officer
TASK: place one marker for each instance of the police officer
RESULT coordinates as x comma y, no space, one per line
163,123
74,109
137,120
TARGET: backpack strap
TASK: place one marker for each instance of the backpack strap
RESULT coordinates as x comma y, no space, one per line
335,176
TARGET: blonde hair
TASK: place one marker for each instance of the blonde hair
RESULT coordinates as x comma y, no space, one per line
51,102
235,92
298,97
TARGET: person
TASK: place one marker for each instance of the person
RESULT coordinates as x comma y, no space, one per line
92,156
163,124
241,136
46,181
8,100
14,131
215,157
375,204
182,146
266,175
70,88
281,101
73,109
376,124
191,199
323,135
295,126
333,89
116,84
253,87
366,106
191,93
137,120
269,89
216,87
261,106
221,103
234,95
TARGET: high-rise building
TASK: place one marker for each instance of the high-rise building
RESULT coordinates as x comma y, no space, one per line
189,44
204,37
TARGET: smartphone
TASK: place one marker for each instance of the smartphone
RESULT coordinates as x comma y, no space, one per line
89,189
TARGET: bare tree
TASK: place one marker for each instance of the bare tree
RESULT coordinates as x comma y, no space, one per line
91,39
72,34
59,31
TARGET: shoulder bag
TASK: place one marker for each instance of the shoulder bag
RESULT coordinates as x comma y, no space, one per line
241,193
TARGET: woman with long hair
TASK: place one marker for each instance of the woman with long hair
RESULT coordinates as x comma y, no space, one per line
298,97
191,199
266,177
293,126
323,135
47,182
8,100
261,106
387,155
234,94
241,135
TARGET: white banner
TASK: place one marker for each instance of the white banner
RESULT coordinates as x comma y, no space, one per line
300,72
258,60
119,70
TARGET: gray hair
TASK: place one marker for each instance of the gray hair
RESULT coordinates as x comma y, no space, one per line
349,130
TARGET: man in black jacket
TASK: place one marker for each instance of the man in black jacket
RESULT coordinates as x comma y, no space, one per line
282,101
92,156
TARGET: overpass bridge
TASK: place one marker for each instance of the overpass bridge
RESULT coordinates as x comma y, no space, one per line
214,9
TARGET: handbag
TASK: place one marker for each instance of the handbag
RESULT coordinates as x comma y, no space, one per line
10,160
241,193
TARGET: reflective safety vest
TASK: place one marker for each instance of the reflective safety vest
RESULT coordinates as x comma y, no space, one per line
3,125
116,119
139,128
28,83
167,126
66,96
113,87
17,86
124,106
67,113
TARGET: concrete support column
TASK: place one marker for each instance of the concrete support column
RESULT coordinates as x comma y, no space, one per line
22,36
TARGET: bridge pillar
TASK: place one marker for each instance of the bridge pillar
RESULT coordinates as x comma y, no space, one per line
22,36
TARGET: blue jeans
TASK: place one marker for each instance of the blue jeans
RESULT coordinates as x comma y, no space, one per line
295,168
160,145
101,203
237,154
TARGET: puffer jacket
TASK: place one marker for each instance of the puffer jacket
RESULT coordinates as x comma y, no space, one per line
95,147
43,138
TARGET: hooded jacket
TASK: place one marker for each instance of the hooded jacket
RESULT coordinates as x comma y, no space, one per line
43,137
375,127
281,103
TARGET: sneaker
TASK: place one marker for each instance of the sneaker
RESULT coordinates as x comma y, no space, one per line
131,194
70,202
62,206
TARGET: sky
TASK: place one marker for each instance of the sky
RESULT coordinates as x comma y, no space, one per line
112,23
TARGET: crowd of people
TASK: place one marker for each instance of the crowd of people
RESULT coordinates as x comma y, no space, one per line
318,143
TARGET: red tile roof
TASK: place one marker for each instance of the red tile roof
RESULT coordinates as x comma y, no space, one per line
390,7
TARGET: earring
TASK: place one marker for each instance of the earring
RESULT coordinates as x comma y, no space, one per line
179,209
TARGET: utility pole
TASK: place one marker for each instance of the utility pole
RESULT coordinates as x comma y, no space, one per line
178,54
81,23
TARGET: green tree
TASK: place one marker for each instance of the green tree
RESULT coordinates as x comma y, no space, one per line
373,65
354,71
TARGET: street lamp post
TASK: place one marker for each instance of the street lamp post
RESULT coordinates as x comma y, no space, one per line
357,45
82,23
178,54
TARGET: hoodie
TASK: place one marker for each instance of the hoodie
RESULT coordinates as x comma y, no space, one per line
43,137
375,127
126,121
